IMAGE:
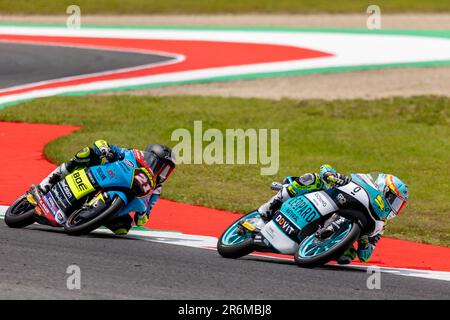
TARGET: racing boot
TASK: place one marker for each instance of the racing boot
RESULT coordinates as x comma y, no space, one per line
140,218
348,256
55,176
267,210
120,225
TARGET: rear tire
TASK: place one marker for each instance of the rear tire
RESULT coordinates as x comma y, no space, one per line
237,250
16,217
332,254
75,229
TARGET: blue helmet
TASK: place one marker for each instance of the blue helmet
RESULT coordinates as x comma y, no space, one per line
394,191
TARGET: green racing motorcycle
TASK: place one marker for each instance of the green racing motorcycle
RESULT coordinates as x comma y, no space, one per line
296,228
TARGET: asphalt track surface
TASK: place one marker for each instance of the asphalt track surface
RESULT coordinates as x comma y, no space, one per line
28,63
34,260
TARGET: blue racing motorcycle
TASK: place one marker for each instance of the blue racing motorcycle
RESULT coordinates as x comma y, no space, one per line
88,197
297,228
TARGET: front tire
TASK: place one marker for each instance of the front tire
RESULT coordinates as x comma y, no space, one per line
76,226
231,244
20,214
309,255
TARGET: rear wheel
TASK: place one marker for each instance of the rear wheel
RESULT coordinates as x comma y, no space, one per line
313,252
20,214
235,244
83,221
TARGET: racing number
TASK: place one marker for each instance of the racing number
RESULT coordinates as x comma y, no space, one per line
355,191
144,182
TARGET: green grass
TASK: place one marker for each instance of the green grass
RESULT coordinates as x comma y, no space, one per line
217,6
408,137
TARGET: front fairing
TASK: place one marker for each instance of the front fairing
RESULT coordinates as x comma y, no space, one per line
117,177
116,174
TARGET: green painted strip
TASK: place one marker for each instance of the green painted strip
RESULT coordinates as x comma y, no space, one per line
7,104
425,33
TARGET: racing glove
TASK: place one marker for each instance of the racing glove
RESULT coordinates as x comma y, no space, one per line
103,149
335,179
141,218
331,177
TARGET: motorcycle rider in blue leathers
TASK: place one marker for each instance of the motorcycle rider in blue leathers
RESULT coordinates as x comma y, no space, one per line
158,157
393,190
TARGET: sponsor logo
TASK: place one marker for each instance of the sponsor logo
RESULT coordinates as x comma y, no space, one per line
291,191
66,190
111,174
79,183
60,199
379,201
44,207
100,173
124,166
90,176
284,224
49,208
302,210
319,201
60,217
81,186
56,193
129,163
51,202
341,198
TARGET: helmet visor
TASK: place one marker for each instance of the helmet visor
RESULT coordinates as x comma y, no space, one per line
153,162
160,168
166,171
395,202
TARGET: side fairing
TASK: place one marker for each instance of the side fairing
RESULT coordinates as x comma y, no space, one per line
305,209
295,214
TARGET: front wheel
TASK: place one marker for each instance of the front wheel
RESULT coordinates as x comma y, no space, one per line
20,214
82,222
314,252
234,244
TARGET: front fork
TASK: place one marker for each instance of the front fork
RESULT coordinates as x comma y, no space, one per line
100,199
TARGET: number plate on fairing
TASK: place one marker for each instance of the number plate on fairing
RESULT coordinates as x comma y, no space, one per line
143,182
358,193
